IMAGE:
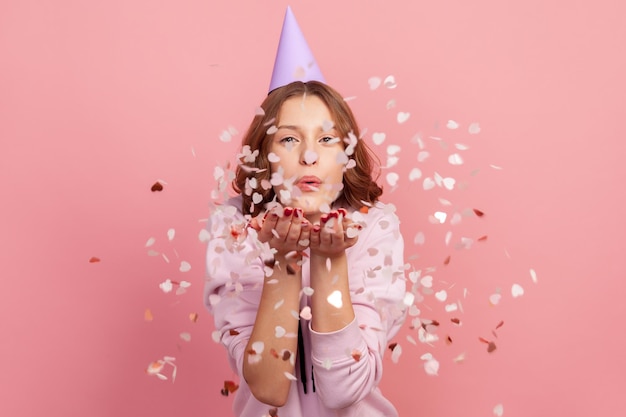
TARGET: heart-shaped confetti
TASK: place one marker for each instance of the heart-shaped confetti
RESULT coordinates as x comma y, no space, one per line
334,299
422,156
409,298
279,332
392,178
306,313
517,290
393,149
184,266
403,117
378,138
428,184
374,83
455,159
440,216
498,410
310,157
449,182
452,125
415,174
441,295
431,367
474,128
494,299
390,82
272,157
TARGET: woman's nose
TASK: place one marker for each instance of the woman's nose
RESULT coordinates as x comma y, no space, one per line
308,157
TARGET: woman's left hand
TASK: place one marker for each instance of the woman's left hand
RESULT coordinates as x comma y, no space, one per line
334,234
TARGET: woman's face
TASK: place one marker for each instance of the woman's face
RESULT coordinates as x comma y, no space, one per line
307,156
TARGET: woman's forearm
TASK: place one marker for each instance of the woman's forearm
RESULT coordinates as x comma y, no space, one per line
268,363
331,306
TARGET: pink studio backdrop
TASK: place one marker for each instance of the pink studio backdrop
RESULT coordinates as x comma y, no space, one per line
99,100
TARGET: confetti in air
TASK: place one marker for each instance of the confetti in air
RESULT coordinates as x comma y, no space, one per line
426,169
158,368
157,186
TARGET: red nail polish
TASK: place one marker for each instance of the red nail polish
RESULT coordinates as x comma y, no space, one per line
324,218
316,228
343,211
288,211
297,212
333,214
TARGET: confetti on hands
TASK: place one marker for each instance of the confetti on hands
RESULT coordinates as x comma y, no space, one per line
285,229
335,233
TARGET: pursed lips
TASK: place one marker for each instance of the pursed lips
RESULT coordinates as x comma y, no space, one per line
309,183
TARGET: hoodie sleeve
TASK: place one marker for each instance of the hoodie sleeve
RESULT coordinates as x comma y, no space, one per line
234,280
348,363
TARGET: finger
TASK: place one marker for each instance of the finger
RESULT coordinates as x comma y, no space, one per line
314,236
304,240
283,224
269,224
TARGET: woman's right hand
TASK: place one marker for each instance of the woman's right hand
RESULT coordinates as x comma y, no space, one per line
285,229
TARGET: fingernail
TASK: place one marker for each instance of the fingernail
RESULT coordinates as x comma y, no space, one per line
343,211
324,218
305,223
288,211
297,212
316,228
333,214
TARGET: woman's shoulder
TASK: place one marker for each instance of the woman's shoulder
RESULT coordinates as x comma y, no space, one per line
231,208
376,212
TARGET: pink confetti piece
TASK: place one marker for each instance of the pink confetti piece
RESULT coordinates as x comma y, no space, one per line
374,83
157,367
390,82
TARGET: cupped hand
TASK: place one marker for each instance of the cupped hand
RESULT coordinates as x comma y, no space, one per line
335,233
285,229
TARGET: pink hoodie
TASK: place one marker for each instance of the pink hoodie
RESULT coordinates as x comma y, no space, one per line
337,384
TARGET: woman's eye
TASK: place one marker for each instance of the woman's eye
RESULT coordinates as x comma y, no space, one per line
329,139
288,139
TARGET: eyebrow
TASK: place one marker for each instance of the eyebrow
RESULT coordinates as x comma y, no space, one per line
297,128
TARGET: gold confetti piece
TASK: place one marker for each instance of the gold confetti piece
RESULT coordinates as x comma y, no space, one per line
456,321
233,332
157,186
392,345
147,315
193,317
274,353
356,355
500,324
491,347
94,259
447,260
482,238
478,213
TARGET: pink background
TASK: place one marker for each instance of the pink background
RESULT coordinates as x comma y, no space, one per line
98,100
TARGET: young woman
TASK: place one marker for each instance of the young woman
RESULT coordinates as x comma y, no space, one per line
305,267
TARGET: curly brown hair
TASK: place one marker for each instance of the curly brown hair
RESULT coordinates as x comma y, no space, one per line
359,183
